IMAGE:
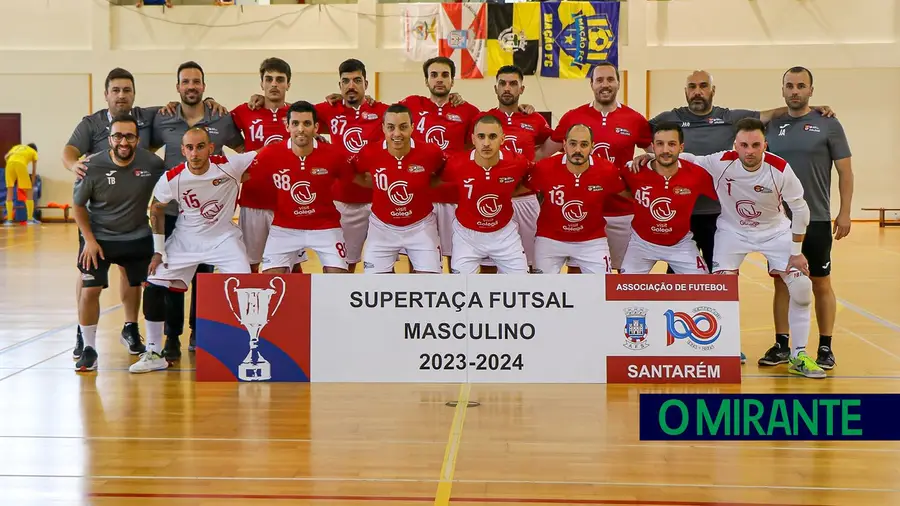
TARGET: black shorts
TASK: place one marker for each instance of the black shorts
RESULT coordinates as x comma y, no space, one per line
134,256
817,248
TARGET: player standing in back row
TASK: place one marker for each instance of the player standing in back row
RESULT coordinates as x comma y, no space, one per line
811,142
618,130
753,187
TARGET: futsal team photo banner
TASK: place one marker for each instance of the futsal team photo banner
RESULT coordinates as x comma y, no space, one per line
477,329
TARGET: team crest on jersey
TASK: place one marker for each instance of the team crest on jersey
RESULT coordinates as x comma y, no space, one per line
506,179
811,128
526,126
715,121
318,172
142,173
636,329
680,190
594,188
369,116
761,189
416,168
454,117
219,180
622,131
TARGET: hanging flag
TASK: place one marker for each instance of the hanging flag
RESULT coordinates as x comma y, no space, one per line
575,36
463,29
420,30
513,36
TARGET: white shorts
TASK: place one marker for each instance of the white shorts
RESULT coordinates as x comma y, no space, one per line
731,249
446,217
525,213
355,225
618,232
255,225
504,247
285,244
418,241
592,256
184,253
683,257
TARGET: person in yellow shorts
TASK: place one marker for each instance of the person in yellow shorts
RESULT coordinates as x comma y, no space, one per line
17,160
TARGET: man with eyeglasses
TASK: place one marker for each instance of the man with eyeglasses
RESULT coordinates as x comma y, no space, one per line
117,187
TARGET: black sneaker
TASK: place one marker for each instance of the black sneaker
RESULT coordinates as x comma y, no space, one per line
131,338
79,345
775,355
825,358
192,342
172,349
88,360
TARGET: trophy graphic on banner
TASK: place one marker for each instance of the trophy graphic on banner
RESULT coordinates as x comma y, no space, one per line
253,314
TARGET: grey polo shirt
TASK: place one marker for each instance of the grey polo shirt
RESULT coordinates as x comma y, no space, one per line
92,133
169,131
811,144
705,135
118,196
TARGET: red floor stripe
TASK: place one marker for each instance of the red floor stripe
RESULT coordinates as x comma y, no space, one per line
371,498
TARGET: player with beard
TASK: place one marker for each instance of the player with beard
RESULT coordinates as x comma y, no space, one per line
618,130
352,123
302,175
206,186
664,196
438,121
575,186
402,173
486,181
169,131
110,207
812,143
523,133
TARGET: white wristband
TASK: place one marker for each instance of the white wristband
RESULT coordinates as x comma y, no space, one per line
159,245
796,248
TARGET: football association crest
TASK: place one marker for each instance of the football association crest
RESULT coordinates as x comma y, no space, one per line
636,328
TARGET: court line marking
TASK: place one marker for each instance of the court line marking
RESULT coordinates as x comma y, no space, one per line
427,480
67,350
451,451
367,498
602,445
50,332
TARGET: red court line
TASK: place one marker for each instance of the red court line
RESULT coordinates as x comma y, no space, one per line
371,498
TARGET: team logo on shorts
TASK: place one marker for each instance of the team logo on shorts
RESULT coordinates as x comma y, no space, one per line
636,329
700,327
488,205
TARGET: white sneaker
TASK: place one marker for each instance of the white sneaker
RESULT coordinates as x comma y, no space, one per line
149,361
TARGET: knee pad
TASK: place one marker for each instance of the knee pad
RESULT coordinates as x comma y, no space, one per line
799,288
155,302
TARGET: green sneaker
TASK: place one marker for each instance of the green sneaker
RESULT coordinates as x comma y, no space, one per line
803,365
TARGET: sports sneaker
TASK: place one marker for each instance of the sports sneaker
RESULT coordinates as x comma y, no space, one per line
88,360
192,342
9,223
31,222
803,365
825,358
172,348
79,345
131,338
149,361
775,355
743,358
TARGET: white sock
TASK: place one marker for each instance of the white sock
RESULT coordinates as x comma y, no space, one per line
800,319
89,334
154,335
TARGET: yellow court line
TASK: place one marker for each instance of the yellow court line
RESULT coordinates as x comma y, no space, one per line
442,498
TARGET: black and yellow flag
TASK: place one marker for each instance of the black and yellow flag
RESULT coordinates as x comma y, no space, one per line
513,36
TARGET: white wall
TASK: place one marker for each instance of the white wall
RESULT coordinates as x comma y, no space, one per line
54,68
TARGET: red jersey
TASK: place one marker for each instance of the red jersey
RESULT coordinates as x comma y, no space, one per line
485,195
303,186
663,207
402,194
616,135
572,210
448,126
351,129
259,128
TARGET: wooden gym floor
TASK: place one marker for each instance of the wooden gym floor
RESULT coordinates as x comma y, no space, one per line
112,438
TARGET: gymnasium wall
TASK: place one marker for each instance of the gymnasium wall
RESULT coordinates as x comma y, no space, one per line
56,58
